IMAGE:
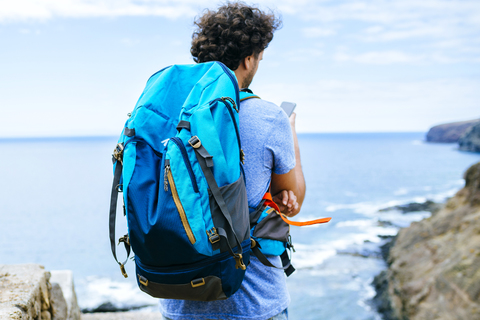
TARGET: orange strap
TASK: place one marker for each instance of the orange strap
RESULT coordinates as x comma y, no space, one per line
269,202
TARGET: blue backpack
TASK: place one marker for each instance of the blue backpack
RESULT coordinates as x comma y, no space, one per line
178,165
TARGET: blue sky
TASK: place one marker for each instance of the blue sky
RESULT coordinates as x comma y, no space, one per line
77,67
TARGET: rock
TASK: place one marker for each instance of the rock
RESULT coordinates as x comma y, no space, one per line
28,291
64,279
46,315
428,205
385,248
470,140
24,290
59,305
381,301
449,132
107,307
434,270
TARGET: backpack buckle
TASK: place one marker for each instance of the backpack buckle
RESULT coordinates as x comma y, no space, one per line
290,244
122,268
239,261
118,152
124,239
213,236
143,280
197,282
195,142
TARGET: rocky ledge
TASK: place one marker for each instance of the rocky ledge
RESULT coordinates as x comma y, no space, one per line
434,265
470,140
449,132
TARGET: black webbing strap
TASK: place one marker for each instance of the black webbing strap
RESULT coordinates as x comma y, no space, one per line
223,234
206,162
113,212
208,159
289,269
183,125
286,264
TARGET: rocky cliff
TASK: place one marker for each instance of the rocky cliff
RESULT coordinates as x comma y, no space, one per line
434,265
449,132
470,140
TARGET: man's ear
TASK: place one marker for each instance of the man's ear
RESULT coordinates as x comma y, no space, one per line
248,63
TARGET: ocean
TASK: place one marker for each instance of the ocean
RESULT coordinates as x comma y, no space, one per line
55,193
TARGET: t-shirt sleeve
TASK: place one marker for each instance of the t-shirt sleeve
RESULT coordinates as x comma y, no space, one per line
279,145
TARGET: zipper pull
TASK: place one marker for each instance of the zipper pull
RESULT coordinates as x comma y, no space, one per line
165,175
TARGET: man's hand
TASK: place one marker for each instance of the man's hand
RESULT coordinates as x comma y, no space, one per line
287,202
292,119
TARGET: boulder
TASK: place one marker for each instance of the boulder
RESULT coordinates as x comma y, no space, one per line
62,286
29,292
24,292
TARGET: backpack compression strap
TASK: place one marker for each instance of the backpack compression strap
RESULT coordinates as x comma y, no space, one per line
116,188
286,263
206,162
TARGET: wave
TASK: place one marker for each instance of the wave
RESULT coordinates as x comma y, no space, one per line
95,293
369,208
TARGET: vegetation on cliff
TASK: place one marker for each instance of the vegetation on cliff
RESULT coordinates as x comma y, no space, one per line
434,265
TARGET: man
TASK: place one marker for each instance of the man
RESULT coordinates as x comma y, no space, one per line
237,35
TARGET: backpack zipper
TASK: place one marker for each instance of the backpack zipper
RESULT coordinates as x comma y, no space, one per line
234,82
230,111
178,203
183,150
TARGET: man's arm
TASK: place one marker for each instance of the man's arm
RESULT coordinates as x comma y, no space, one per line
283,185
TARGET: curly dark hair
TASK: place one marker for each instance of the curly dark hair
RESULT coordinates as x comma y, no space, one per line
232,33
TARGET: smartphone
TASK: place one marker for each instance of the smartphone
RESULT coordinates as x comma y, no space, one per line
288,107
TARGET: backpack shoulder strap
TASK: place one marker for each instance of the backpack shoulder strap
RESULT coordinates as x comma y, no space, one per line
246,94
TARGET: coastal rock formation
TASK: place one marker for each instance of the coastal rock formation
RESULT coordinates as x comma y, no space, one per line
434,265
29,292
449,132
470,140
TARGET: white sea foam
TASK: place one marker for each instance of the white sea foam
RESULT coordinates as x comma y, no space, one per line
366,208
355,223
96,291
309,256
403,220
371,208
366,294
313,255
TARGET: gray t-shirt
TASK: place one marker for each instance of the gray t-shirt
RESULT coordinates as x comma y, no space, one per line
267,141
